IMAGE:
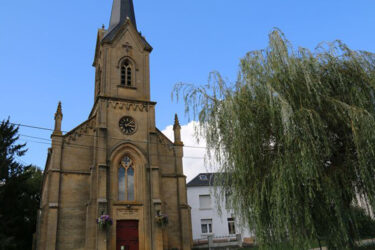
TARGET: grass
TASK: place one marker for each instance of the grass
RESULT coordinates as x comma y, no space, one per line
358,248
367,248
372,247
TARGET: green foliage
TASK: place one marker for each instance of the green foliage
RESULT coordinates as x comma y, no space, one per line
295,135
19,193
366,225
8,150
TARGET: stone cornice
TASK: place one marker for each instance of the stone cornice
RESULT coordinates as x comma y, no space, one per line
173,176
128,105
80,130
53,205
130,102
164,140
185,206
70,172
151,103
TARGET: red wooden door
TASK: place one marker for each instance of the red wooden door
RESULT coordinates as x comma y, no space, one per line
127,235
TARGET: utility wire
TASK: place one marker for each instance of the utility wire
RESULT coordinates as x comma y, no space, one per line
116,138
75,145
25,163
29,126
39,138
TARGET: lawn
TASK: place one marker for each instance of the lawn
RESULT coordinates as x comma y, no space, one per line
372,247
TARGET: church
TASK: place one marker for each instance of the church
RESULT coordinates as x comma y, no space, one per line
115,182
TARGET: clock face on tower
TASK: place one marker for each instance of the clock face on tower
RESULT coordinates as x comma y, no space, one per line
127,125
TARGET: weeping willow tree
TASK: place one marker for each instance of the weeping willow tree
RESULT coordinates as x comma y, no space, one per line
294,137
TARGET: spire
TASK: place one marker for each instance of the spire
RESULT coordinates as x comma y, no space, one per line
58,119
177,132
121,10
176,122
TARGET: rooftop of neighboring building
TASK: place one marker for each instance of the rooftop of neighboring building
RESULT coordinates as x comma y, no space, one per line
202,180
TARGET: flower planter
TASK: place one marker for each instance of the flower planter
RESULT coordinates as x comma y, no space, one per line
104,221
161,220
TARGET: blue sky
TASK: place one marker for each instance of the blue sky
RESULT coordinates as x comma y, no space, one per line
47,49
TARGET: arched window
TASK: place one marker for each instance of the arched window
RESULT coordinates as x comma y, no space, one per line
126,73
126,180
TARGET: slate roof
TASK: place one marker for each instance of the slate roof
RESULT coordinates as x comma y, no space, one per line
202,180
121,10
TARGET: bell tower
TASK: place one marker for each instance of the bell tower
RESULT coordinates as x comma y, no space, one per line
116,165
122,57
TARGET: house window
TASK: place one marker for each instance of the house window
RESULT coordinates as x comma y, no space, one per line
126,180
231,226
126,73
206,226
203,177
205,201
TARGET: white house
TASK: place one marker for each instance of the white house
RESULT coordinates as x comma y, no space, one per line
205,216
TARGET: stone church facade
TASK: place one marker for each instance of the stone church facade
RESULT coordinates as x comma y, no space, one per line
117,162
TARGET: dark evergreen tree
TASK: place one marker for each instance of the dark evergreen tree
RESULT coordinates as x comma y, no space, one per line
9,150
19,192
296,136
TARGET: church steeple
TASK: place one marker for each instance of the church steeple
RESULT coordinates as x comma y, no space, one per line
121,10
58,119
123,54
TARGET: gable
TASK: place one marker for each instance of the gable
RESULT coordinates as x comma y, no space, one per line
116,33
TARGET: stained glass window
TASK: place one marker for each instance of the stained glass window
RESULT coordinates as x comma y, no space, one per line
130,184
126,183
126,161
121,184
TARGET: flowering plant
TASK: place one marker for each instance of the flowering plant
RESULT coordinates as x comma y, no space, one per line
161,220
104,220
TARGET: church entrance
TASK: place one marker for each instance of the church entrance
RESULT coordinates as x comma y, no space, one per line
127,235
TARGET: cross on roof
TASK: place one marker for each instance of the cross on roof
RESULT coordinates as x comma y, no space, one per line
127,47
